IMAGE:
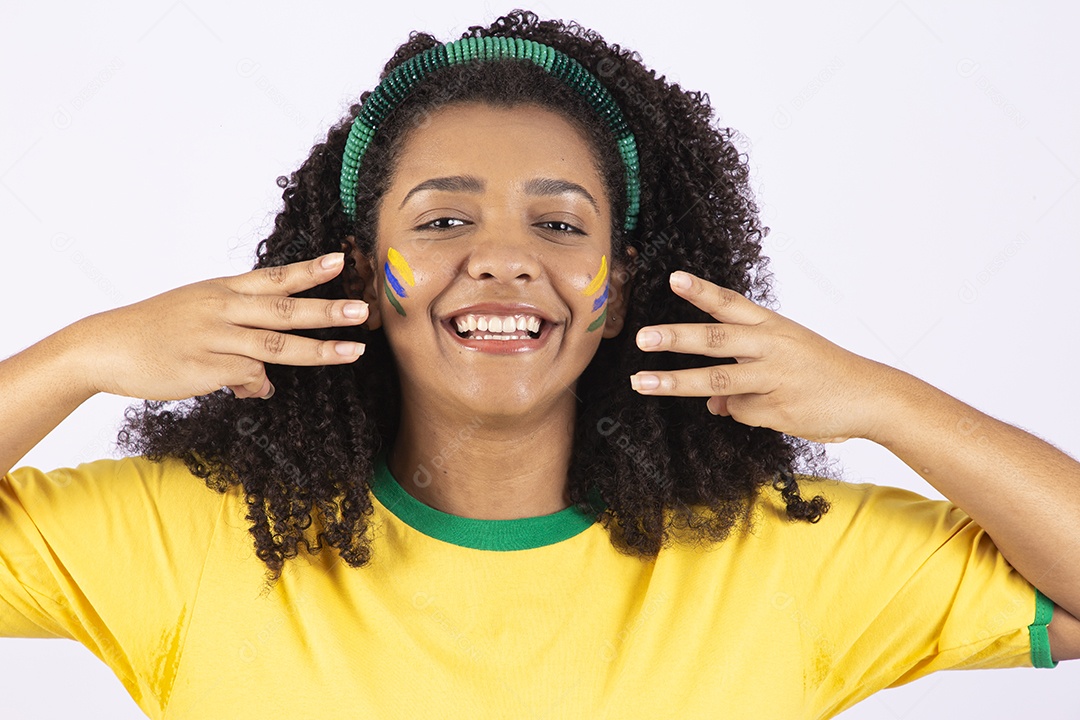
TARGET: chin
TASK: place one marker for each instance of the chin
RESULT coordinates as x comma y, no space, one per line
504,408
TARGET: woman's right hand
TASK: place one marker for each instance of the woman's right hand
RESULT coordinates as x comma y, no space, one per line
200,337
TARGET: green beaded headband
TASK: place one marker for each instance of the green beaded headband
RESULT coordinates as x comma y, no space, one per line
402,79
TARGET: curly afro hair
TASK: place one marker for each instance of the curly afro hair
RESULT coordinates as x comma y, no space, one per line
659,463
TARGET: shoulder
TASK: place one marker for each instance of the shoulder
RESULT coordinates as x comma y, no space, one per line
112,483
861,509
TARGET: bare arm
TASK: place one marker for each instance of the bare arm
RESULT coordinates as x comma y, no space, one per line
1064,632
1019,488
39,387
186,342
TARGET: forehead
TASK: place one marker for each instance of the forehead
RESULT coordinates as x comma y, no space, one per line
520,141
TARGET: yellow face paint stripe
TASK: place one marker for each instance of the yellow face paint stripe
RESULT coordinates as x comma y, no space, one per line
401,266
597,281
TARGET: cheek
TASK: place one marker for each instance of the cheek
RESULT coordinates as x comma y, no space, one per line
597,292
398,276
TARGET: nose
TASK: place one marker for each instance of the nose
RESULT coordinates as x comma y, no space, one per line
505,257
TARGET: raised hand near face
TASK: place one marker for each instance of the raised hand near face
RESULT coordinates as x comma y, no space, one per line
195,339
786,377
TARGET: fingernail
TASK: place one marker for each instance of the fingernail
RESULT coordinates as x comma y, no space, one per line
648,338
354,309
644,382
348,349
270,394
680,280
332,260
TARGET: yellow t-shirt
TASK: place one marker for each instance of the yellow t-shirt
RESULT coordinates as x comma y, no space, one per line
538,617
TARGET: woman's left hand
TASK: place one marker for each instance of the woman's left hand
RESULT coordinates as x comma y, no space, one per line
786,377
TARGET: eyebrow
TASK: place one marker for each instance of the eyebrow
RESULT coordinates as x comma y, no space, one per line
538,187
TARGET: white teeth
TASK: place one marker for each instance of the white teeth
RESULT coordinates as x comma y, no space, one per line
515,327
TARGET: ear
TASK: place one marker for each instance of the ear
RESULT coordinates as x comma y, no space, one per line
622,270
361,281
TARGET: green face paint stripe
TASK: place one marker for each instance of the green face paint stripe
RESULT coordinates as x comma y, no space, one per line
598,321
393,300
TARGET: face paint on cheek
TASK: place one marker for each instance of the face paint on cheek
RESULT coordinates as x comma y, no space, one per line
397,264
599,281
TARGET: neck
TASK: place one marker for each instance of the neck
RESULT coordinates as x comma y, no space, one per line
486,467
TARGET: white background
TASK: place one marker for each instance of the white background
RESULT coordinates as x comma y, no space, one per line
918,166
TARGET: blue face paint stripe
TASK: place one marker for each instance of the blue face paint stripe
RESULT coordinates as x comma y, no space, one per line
393,280
600,300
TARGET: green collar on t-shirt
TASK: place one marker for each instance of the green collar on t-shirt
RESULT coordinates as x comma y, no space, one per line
519,534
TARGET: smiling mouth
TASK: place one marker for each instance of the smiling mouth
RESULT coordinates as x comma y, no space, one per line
511,341
472,326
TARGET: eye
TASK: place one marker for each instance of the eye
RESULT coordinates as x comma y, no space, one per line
565,229
570,229
431,225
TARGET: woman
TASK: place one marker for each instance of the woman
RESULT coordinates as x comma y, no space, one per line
457,461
